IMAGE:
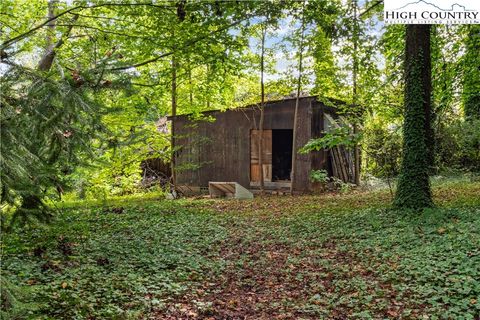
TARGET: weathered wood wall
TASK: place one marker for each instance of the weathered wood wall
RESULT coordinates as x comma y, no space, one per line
221,149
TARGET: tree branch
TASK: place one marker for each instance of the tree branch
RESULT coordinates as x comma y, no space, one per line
370,8
104,31
135,22
13,40
47,60
364,12
185,45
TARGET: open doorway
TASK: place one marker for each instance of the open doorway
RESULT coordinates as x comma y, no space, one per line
276,153
282,142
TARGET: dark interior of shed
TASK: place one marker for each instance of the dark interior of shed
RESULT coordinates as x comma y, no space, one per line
281,154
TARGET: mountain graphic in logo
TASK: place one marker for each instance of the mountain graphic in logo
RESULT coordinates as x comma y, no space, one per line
453,7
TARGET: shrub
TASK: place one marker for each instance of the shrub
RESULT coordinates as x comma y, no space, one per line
458,145
383,150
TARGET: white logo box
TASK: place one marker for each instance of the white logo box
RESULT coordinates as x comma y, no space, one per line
432,11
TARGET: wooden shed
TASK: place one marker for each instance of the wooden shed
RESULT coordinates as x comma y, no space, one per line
223,145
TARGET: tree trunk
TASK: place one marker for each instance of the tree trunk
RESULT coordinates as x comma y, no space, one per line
356,150
262,112
190,84
297,101
47,59
46,62
413,189
208,86
471,80
174,113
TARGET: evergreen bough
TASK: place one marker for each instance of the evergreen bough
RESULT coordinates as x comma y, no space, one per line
47,124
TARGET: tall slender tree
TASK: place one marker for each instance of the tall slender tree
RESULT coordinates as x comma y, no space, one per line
297,101
262,107
471,80
414,186
356,130
174,113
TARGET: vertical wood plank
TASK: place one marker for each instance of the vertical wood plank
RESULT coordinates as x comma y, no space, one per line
255,173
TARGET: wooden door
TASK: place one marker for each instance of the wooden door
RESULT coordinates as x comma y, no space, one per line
266,155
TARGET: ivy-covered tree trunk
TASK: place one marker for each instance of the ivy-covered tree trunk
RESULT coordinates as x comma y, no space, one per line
413,189
471,80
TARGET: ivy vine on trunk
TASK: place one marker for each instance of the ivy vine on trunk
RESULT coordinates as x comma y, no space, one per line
471,80
414,186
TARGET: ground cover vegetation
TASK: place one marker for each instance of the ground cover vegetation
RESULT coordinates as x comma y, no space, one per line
332,256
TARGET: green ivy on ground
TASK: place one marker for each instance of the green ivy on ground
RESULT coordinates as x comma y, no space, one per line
111,262
330,256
